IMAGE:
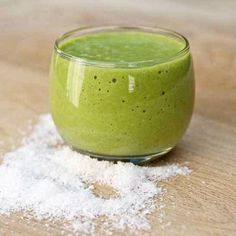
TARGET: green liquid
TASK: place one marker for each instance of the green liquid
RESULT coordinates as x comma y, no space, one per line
123,47
123,111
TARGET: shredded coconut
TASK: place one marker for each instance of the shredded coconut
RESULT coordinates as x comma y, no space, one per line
48,179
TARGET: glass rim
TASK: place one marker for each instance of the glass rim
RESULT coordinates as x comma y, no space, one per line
86,30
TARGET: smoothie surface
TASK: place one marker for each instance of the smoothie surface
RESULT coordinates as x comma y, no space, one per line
123,47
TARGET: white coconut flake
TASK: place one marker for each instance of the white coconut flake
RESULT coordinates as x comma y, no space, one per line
48,179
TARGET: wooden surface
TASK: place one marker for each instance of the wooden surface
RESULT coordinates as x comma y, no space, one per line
203,203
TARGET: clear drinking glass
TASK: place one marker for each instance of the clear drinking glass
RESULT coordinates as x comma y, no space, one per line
130,111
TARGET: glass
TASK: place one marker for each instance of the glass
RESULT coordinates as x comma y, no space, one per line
130,111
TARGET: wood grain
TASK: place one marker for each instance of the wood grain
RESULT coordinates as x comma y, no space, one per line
203,203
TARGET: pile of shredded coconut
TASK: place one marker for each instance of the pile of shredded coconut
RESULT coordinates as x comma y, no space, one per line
48,179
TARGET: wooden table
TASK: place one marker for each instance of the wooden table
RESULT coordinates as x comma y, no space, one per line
205,201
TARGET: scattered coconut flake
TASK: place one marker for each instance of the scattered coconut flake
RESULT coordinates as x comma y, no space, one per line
48,179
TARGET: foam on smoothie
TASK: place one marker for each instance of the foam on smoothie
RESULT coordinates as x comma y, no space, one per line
123,47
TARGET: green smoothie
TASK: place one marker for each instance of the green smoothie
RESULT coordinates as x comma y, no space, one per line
122,94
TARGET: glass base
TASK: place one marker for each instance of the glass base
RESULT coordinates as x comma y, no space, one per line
137,160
